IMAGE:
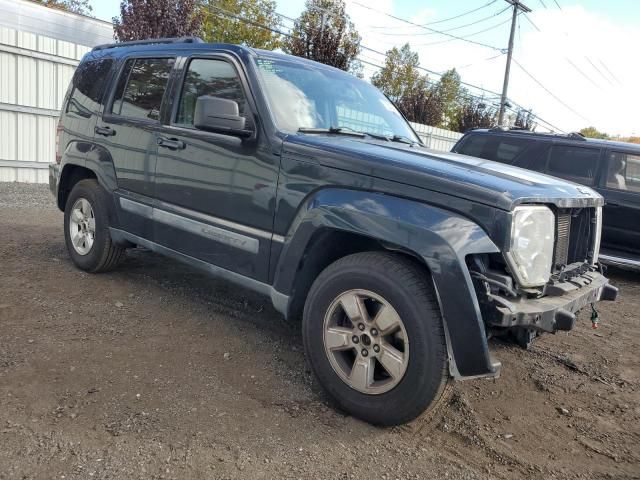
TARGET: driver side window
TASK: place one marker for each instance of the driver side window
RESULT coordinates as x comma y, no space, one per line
215,78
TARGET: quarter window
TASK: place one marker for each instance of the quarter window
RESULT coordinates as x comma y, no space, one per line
624,172
141,87
88,86
577,164
216,78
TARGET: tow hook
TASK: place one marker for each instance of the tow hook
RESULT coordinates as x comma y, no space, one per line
595,319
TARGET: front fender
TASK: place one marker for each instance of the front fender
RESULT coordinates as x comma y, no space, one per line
442,239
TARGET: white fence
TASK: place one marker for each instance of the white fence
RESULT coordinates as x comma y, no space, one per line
37,60
436,138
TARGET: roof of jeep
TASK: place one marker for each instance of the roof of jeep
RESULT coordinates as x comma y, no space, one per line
572,137
116,50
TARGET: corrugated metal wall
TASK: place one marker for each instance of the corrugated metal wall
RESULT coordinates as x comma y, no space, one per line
35,71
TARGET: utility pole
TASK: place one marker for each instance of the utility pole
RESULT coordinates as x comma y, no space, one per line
517,7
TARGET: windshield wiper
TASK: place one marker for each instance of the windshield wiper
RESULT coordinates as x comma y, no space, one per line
340,130
356,133
403,139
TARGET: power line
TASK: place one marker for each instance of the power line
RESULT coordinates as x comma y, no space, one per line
450,18
449,29
558,99
609,72
582,73
542,2
481,61
574,65
598,70
557,4
462,14
464,36
531,22
427,28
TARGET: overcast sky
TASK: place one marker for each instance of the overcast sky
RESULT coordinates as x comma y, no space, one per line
585,53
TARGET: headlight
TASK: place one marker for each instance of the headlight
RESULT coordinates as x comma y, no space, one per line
531,253
598,235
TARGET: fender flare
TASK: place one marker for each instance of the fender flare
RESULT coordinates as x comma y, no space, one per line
440,238
92,157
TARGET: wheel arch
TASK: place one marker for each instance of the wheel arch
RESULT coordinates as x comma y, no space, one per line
337,222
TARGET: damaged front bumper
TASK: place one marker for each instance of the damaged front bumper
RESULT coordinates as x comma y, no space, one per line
550,313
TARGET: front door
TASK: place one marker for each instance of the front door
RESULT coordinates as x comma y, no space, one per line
215,193
620,187
127,131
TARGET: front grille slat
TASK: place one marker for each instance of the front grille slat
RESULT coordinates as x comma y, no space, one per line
563,228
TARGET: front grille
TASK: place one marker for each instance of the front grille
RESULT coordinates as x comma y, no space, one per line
574,236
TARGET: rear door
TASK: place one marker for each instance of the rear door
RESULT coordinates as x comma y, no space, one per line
620,185
128,131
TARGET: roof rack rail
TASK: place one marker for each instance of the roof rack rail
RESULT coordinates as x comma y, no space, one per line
577,136
504,128
151,41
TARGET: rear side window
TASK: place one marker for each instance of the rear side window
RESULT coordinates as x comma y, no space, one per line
577,164
497,148
473,145
141,87
624,172
88,86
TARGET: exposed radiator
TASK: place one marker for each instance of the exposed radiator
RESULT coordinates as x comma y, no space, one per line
563,232
574,236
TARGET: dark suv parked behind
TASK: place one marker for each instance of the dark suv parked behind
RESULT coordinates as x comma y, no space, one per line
610,168
306,184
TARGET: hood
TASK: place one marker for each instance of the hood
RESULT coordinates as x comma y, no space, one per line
492,183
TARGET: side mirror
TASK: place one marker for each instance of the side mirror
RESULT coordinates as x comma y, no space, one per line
219,115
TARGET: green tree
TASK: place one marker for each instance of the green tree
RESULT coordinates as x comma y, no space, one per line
82,7
324,33
593,132
399,76
220,26
447,95
144,19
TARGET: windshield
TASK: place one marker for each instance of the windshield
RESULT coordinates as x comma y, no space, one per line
308,96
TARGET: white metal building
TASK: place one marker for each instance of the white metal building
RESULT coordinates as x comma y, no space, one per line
39,50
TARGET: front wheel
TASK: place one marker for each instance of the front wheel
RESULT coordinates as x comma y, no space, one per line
374,337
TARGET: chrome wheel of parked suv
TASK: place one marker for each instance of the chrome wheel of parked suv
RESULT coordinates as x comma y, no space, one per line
86,228
82,226
374,337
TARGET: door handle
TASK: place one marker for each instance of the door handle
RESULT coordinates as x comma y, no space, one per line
105,131
171,143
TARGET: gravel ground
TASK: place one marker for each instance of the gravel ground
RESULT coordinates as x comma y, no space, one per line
157,371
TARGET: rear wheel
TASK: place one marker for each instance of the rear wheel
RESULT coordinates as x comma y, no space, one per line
374,337
86,228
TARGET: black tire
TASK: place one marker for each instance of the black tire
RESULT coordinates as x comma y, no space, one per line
104,255
407,287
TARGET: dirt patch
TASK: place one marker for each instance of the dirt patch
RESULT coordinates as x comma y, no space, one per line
157,371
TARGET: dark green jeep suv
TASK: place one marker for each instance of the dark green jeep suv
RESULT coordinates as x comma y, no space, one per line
306,184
